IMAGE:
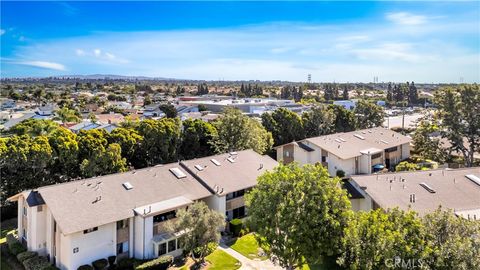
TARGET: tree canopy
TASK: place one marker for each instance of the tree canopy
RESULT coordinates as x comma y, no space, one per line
285,126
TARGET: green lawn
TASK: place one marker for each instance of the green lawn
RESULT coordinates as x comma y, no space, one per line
248,246
220,260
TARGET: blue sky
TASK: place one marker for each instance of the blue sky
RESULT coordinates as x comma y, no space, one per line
333,41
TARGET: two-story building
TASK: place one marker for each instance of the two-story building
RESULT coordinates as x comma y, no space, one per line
126,214
357,152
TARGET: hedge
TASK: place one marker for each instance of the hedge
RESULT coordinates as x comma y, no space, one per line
126,264
16,248
85,267
36,263
111,260
236,226
100,264
160,263
26,255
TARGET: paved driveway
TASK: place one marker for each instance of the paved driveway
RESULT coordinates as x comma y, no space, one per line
248,264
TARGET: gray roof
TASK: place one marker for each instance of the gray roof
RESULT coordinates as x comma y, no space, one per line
452,188
230,177
347,145
73,207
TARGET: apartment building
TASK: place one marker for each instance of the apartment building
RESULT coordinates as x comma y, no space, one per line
422,191
126,214
357,152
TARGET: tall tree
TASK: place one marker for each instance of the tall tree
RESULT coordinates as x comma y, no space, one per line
67,115
375,239
459,112
161,140
412,94
201,226
34,127
318,121
236,132
96,156
344,119
389,92
368,114
196,137
299,212
425,145
169,110
130,141
285,126
65,149
345,92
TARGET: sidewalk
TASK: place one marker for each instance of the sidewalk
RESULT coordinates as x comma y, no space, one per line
248,264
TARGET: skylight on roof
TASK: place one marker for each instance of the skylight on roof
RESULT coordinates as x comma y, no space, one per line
385,142
473,178
216,162
199,167
359,136
231,160
427,187
178,173
342,139
338,140
127,185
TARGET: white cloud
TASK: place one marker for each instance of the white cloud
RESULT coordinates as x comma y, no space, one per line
405,18
279,50
80,52
43,64
97,52
110,56
2,31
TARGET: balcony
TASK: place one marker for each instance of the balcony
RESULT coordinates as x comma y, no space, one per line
235,203
162,227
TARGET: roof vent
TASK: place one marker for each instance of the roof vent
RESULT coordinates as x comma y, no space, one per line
427,187
216,162
342,139
338,140
473,178
127,185
385,142
359,136
199,167
233,153
178,173
231,160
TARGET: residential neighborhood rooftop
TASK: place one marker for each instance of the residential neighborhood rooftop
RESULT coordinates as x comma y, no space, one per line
425,191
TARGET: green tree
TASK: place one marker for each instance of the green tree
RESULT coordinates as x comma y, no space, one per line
236,132
66,115
318,121
169,110
375,239
425,145
285,126
65,154
299,212
459,113
129,140
34,127
368,115
147,100
196,137
96,156
344,119
161,140
24,161
201,226
455,241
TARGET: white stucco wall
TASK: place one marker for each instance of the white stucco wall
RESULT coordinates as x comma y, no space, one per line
405,151
217,203
335,163
143,234
91,246
364,204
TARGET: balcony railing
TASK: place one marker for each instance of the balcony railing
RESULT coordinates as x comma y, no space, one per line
162,227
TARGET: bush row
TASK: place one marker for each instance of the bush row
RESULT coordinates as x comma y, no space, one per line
160,263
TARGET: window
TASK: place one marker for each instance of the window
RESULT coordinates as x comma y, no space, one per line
164,217
239,212
172,245
122,247
287,154
24,211
391,149
162,249
122,224
374,156
324,159
235,194
90,230
39,208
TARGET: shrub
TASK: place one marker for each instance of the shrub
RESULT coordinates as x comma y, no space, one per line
126,264
16,248
85,267
340,173
111,260
210,248
26,255
160,263
50,267
36,263
100,264
236,226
